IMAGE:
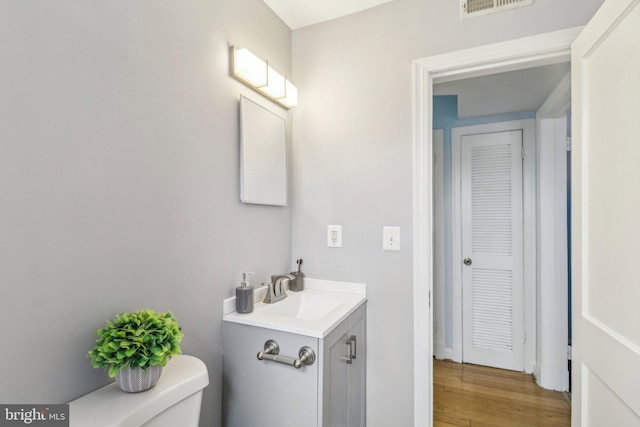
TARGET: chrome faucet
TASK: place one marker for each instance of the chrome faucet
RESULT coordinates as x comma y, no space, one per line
277,290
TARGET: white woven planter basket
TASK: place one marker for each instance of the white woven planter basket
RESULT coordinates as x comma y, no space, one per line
138,379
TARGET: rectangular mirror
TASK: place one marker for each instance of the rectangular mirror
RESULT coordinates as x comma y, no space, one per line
263,155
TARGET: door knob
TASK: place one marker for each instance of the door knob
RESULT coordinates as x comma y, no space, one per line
467,261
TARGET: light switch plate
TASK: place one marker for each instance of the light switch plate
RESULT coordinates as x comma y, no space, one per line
391,238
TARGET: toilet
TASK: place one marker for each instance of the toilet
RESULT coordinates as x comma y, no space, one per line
174,401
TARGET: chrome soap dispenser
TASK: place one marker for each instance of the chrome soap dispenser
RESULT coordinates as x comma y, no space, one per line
244,295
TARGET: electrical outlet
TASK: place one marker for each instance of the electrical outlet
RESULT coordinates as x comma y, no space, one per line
334,236
391,238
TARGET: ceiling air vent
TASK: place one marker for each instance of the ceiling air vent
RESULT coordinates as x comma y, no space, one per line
473,8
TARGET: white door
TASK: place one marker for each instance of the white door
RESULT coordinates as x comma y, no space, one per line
492,261
606,218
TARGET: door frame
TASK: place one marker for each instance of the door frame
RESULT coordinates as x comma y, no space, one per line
551,369
438,244
528,231
544,49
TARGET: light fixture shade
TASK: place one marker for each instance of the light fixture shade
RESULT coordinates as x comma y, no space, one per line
275,87
291,98
249,68
259,76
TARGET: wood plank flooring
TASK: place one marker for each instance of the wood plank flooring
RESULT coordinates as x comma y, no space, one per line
478,396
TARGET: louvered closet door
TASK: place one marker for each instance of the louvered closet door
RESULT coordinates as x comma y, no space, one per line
492,287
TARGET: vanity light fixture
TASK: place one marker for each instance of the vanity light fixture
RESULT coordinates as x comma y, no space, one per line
259,76
275,87
248,68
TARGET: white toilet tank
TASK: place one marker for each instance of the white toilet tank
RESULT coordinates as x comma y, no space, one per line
174,401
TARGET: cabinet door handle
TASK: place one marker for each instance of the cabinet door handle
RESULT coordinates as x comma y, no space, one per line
351,342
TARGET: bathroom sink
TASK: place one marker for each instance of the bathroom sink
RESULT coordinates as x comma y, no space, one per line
314,312
307,305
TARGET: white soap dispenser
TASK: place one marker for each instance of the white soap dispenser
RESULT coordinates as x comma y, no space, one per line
244,295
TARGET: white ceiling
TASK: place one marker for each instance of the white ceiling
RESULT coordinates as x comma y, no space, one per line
300,13
515,91
510,92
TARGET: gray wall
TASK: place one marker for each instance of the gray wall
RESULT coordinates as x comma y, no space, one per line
353,157
119,185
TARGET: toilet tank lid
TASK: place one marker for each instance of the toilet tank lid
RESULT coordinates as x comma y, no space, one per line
111,407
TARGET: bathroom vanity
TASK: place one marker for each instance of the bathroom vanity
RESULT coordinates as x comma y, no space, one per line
298,362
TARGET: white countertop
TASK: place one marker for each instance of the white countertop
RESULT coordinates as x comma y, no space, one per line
323,304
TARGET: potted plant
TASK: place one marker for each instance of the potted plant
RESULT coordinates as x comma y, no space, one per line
135,347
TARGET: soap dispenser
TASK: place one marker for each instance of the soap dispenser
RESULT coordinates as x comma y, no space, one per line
244,295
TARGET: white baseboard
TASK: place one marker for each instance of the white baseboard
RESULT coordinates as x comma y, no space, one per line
559,382
536,373
444,353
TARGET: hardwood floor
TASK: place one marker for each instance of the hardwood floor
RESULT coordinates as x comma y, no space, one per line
478,396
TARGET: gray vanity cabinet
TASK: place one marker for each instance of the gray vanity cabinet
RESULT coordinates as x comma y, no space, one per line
328,393
343,391
264,393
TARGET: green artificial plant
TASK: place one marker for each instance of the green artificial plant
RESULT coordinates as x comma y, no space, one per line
141,339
